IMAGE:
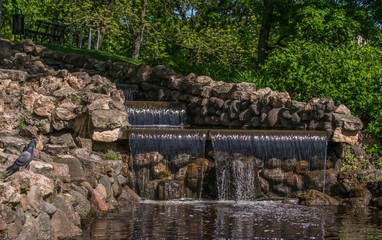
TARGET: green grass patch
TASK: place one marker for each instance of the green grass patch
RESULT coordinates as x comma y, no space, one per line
95,54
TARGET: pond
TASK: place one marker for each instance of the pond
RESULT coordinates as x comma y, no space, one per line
235,220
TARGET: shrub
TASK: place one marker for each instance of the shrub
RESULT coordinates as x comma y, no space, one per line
349,74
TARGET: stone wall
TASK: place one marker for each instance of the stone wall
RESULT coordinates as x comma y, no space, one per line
216,104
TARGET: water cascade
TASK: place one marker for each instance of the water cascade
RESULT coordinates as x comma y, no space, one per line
131,92
156,114
252,163
168,163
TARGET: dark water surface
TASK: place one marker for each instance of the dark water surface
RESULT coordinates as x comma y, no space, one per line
235,220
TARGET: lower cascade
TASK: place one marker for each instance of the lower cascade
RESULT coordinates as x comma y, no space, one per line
244,165
252,163
169,164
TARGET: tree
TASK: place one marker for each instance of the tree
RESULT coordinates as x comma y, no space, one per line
1,7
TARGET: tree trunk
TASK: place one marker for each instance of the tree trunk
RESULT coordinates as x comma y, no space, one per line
263,47
102,33
139,39
1,7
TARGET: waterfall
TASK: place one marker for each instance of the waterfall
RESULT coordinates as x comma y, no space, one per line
156,114
131,92
168,142
240,154
169,163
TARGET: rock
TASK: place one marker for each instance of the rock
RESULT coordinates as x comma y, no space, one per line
29,132
181,174
342,109
316,198
82,206
116,187
108,119
273,163
294,180
75,168
106,135
107,185
14,75
63,204
128,195
48,208
9,194
62,227
288,165
146,159
64,139
181,160
55,149
84,143
343,136
160,171
276,175
282,189
43,226
301,167
40,167
279,99
29,230
316,179
98,198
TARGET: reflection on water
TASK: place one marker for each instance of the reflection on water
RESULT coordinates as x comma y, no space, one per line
235,220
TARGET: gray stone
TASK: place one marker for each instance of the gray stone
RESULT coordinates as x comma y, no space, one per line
43,226
116,187
106,183
75,168
48,208
82,206
65,139
64,205
62,227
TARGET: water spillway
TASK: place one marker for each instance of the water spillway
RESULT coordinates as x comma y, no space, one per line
251,163
169,163
132,92
144,114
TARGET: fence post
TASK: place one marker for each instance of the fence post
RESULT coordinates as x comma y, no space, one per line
80,40
90,39
98,39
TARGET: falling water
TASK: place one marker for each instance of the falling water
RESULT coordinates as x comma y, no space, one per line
238,154
156,114
131,92
168,163
169,142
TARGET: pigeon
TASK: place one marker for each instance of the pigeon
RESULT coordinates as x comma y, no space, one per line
24,159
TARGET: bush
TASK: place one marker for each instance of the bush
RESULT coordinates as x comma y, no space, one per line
349,74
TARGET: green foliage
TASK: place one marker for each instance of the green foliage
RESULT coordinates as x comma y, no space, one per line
111,155
375,150
21,124
351,74
351,162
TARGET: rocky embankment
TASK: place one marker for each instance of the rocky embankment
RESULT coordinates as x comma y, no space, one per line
74,110
68,183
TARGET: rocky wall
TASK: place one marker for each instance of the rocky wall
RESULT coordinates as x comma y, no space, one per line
216,104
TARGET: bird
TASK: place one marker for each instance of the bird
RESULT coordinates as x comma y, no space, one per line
24,159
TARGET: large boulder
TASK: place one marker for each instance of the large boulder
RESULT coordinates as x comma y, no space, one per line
62,227
316,198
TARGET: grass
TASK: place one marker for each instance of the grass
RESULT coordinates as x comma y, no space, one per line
95,54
